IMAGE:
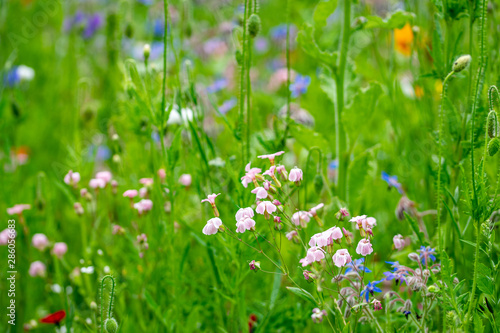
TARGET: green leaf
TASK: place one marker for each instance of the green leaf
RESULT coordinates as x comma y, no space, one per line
416,229
305,38
395,20
323,10
485,282
303,294
478,324
356,115
307,137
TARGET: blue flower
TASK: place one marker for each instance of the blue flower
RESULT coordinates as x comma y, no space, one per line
12,77
370,288
427,253
228,105
146,2
399,277
300,85
392,181
94,22
278,32
357,266
333,165
407,313
218,85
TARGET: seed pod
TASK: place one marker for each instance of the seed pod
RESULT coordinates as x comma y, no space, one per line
492,119
461,63
254,25
493,146
110,325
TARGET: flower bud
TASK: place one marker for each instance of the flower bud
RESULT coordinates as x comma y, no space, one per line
493,146
254,265
239,57
414,256
492,119
426,273
254,25
461,63
433,289
110,325
93,305
146,51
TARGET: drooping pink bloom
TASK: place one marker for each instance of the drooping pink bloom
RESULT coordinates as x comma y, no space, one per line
60,249
364,247
271,157
212,226
301,218
146,181
130,194
245,224
399,242
341,258
97,183
185,179
291,235
40,241
295,175
250,175
260,192
106,176
265,207
37,268
18,209
72,178
313,210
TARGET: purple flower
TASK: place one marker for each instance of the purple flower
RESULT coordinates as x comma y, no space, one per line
261,45
159,28
146,2
218,85
399,277
357,266
228,105
370,289
300,85
392,181
279,32
427,253
94,22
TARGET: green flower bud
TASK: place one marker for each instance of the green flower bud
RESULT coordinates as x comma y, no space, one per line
110,325
239,57
147,51
492,119
493,146
461,63
254,25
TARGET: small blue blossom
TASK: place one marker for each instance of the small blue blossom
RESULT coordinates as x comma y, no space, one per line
300,85
399,277
333,165
392,181
94,22
357,266
146,2
228,105
394,264
407,313
218,85
278,33
370,288
427,253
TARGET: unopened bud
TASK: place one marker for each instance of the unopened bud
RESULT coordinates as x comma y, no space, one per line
414,256
492,124
110,325
254,25
146,51
461,63
493,146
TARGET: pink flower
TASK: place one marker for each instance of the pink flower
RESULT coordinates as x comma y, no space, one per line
106,176
212,226
211,198
244,213
118,230
308,275
319,240
84,192
341,214
60,249
265,207
97,183
72,178
130,194
291,235
162,174
5,235
318,315
260,192
18,209
270,172
282,171
301,218
78,208
341,258
245,224
363,222
37,268
250,175
333,234
295,175
364,247
377,305
271,157
185,179
145,205
399,242
254,265
314,209
146,181
143,192
40,241
315,254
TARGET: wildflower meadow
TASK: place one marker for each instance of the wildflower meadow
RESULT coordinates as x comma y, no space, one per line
249,166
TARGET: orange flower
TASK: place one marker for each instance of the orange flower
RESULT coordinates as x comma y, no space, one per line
419,91
403,38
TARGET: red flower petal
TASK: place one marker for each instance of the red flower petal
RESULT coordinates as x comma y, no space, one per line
54,318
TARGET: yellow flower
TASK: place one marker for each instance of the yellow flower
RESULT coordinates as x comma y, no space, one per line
403,38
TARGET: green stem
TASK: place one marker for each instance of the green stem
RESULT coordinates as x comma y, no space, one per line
288,73
164,82
242,79
340,135
474,281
